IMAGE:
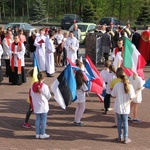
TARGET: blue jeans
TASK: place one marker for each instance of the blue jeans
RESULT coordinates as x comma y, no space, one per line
122,119
40,123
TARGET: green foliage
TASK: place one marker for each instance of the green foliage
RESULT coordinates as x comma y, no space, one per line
144,15
37,11
88,13
90,10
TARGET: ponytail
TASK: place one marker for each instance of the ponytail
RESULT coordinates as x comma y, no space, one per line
125,81
134,76
112,69
40,76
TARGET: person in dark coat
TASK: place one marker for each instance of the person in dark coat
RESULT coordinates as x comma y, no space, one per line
32,48
136,38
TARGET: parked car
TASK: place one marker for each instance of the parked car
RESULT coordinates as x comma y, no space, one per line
85,28
25,26
108,20
69,19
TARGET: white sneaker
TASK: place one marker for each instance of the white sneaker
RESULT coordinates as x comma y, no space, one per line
44,136
37,136
110,109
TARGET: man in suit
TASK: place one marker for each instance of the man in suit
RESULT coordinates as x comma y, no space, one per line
106,44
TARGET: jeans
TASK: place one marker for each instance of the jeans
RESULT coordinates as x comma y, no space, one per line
40,123
122,119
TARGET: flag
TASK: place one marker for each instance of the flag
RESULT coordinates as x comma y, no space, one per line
92,70
35,70
97,84
147,84
64,87
94,84
34,76
132,58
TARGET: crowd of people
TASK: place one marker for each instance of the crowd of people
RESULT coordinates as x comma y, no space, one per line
110,35
48,46
51,46
127,91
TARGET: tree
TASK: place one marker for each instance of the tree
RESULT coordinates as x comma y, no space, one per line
37,10
144,16
88,13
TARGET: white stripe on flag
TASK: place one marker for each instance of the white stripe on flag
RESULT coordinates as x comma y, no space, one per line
57,94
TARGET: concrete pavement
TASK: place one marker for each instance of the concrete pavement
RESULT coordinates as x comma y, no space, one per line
97,134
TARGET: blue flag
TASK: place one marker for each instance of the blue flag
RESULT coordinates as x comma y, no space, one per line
147,84
64,87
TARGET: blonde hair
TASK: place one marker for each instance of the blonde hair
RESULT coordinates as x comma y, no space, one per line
112,68
118,71
125,81
107,63
79,63
40,76
134,76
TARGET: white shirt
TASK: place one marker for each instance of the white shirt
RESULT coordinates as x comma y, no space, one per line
109,78
137,84
40,100
122,105
40,51
19,55
1,52
81,93
59,38
6,48
71,42
104,74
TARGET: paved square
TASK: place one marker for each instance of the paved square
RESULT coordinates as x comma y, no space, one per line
97,134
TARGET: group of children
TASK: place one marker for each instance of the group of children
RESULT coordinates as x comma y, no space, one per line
125,91
39,95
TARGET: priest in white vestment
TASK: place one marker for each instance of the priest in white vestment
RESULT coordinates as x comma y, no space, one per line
50,49
72,45
40,49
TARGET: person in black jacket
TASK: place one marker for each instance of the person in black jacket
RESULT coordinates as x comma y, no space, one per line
136,37
32,48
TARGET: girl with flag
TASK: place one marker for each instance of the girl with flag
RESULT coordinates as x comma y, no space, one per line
40,95
80,102
123,93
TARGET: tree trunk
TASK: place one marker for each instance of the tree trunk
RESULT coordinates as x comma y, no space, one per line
120,9
27,9
0,14
3,9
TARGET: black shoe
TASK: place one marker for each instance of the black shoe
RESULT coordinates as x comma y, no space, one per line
49,75
105,112
79,124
